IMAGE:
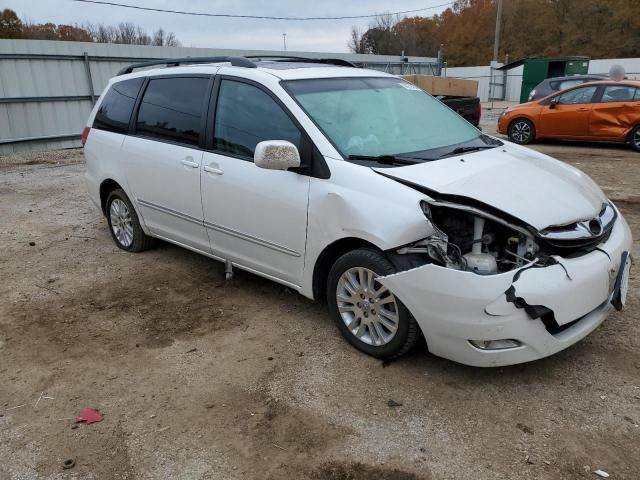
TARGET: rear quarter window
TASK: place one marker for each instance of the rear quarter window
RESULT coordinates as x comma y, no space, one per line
618,93
115,110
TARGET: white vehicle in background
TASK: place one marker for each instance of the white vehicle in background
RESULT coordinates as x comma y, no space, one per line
357,186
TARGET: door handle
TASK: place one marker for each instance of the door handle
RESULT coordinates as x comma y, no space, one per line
582,109
189,162
213,168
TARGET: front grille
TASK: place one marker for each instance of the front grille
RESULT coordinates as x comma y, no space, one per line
582,235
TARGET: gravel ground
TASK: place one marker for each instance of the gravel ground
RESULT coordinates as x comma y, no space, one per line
199,378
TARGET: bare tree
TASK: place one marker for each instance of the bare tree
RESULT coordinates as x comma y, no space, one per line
356,43
131,34
158,37
171,40
143,37
127,33
101,33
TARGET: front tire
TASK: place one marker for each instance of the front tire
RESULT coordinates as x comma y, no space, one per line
522,131
634,138
124,224
367,314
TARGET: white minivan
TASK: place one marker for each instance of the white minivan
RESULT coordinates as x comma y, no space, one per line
356,186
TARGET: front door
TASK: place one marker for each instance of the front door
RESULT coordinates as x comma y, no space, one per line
162,159
256,218
569,117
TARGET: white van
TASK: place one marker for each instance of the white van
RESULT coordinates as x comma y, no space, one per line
357,186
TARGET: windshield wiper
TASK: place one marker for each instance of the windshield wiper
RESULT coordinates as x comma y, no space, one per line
389,159
459,150
490,140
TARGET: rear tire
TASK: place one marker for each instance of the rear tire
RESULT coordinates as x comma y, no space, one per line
124,224
634,138
522,131
368,315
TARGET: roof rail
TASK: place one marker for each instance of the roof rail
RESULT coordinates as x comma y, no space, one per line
286,58
174,62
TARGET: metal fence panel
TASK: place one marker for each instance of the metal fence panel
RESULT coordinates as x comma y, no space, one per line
47,87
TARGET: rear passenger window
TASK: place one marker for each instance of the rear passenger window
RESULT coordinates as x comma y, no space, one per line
171,109
618,93
115,110
245,116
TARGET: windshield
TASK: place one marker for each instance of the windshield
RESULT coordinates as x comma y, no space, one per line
383,117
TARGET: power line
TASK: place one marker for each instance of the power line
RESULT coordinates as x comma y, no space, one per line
258,17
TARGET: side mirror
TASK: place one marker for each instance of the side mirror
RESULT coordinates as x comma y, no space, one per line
276,155
553,102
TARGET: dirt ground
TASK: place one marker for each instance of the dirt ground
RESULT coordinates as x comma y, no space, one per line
199,378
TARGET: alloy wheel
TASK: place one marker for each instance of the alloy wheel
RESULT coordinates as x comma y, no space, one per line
521,131
636,139
120,218
368,309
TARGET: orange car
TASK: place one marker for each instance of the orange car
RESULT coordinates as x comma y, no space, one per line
597,111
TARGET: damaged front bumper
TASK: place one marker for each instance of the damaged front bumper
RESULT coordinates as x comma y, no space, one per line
569,300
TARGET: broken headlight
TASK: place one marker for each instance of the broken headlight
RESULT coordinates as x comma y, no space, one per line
469,239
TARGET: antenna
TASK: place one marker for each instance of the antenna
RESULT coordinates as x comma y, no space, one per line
284,41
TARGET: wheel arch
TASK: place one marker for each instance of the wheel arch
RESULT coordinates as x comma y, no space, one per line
327,258
107,186
630,132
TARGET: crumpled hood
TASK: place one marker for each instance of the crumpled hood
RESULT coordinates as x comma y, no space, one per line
533,187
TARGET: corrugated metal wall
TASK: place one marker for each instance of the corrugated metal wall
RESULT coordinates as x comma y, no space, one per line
506,84
47,87
631,66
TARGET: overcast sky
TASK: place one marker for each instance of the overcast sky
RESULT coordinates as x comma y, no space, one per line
320,36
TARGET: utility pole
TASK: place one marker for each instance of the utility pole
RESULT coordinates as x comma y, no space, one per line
284,41
496,41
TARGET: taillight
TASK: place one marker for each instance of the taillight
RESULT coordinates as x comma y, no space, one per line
85,135
477,112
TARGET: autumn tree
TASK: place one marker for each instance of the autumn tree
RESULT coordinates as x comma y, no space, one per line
10,25
594,28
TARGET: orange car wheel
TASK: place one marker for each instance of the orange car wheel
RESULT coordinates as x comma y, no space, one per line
634,138
522,131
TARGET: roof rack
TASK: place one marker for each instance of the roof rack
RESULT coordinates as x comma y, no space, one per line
286,58
174,62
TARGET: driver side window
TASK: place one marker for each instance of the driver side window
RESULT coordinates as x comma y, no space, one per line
577,96
245,116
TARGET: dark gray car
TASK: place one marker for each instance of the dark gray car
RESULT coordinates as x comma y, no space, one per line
552,85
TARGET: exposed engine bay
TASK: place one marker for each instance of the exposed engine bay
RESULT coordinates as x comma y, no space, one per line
468,239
